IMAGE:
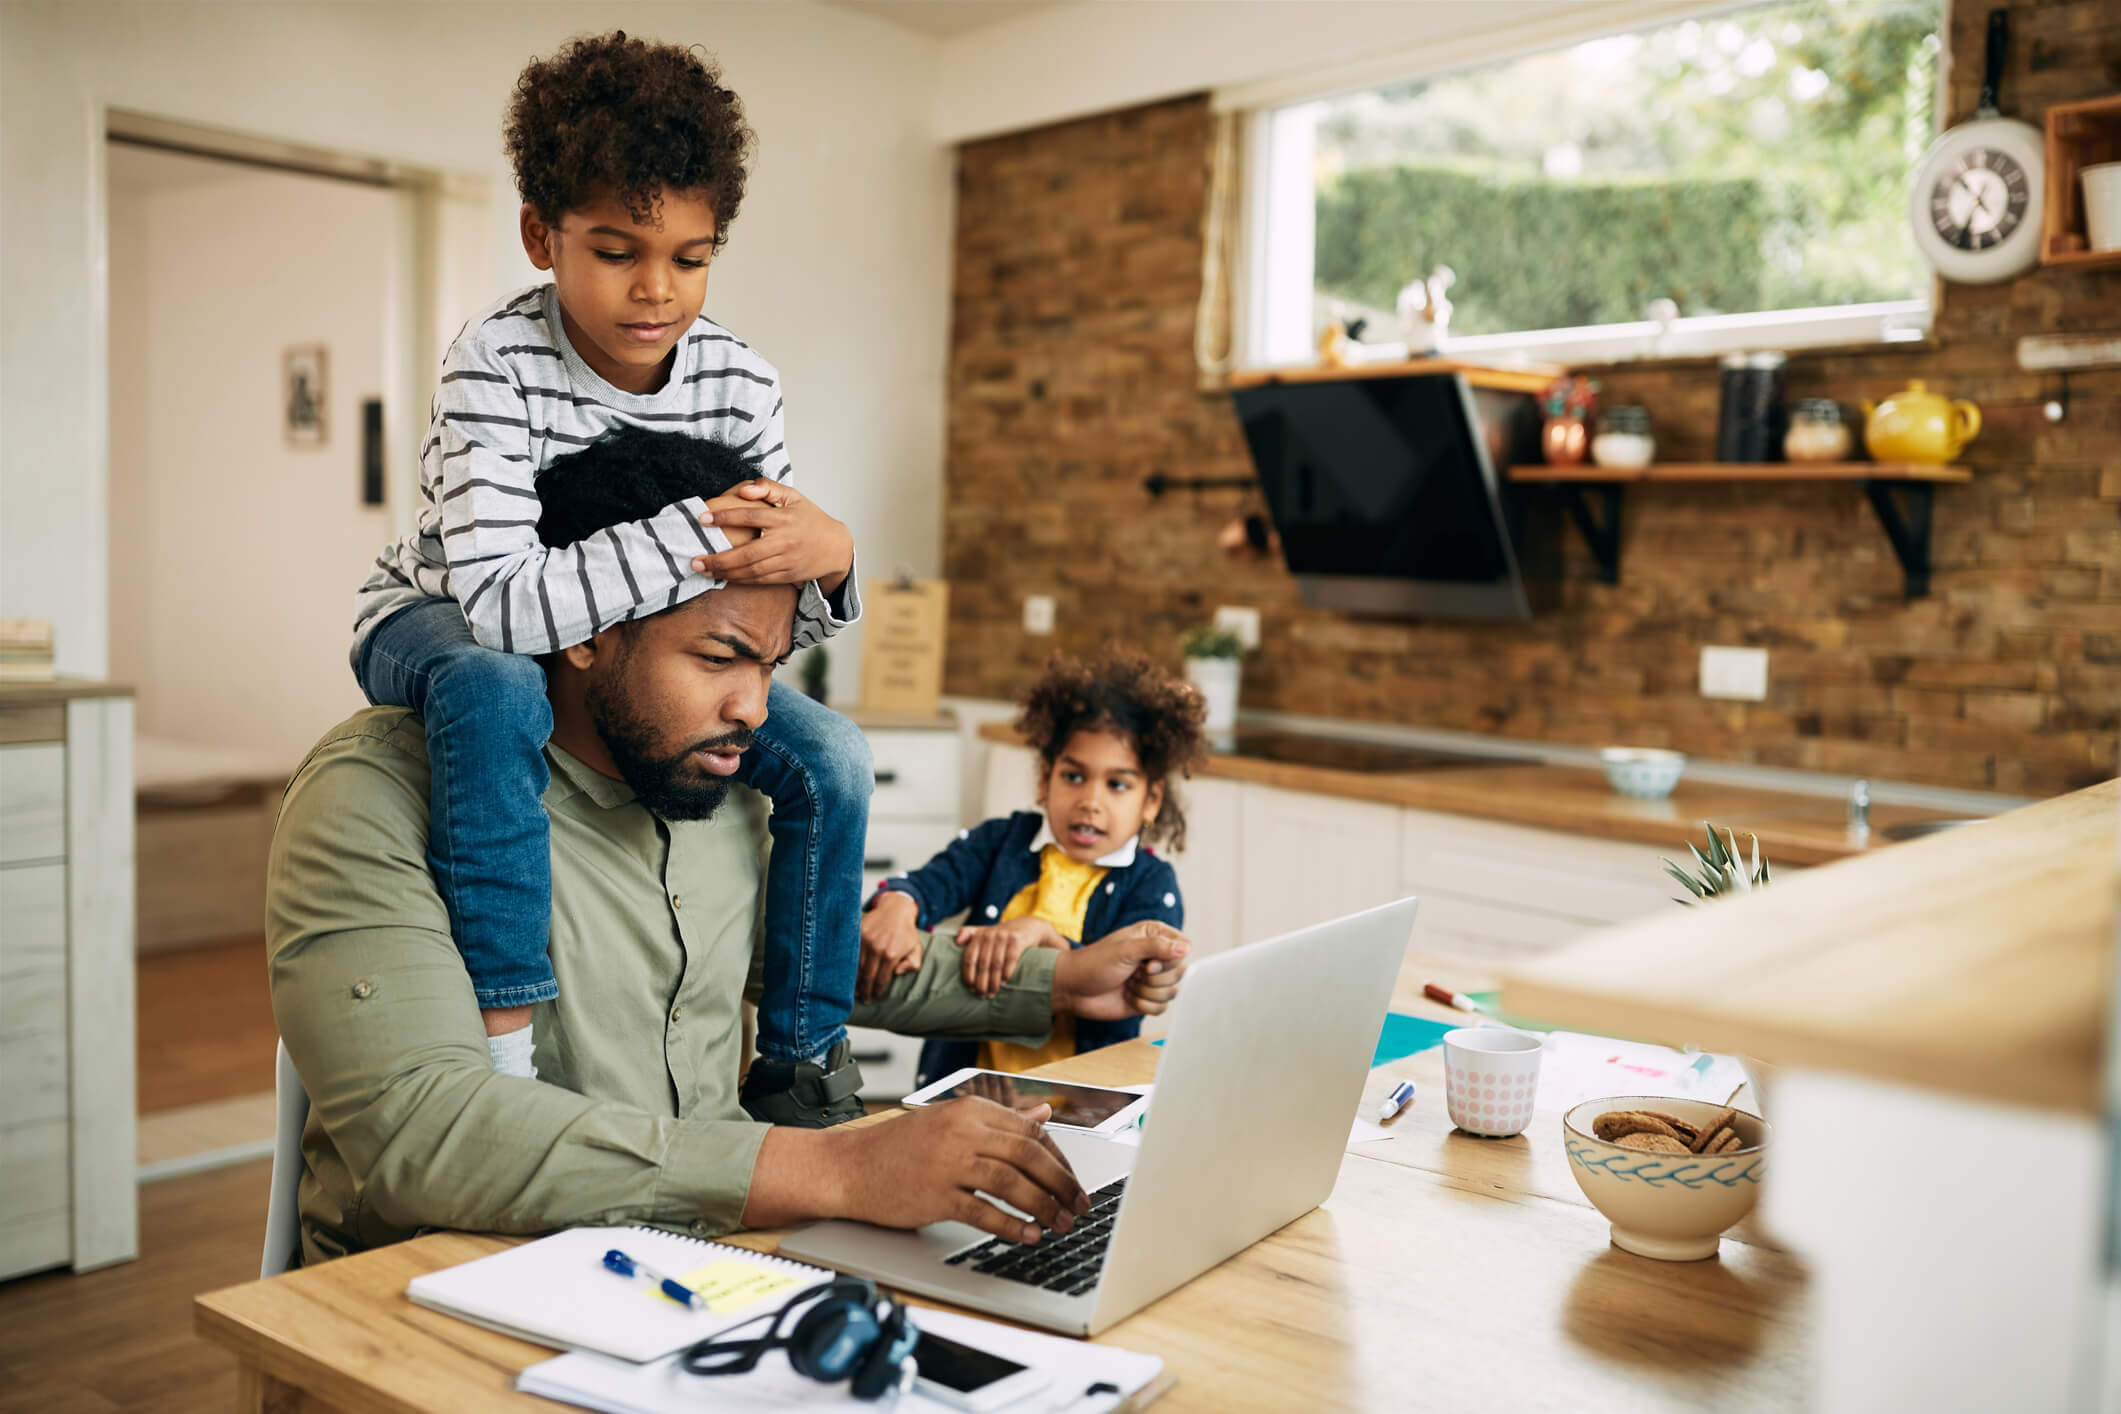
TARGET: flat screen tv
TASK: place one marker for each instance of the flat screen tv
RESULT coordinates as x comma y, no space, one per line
1388,494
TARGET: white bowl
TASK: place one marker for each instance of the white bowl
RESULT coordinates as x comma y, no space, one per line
1643,771
1673,1207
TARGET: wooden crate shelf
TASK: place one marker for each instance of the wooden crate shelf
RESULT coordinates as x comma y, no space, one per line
2079,135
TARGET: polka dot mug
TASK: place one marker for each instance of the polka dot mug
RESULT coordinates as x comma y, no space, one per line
1491,1076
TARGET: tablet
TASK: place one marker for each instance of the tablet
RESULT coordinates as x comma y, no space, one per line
1091,1108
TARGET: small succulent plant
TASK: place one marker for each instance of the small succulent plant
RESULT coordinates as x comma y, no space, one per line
1208,641
1723,869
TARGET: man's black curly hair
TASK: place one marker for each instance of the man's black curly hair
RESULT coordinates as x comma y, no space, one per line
629,475
610,113
1125,692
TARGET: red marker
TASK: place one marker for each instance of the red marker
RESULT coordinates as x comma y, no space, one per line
1449,998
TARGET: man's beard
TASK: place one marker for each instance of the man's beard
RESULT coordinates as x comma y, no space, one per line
661,782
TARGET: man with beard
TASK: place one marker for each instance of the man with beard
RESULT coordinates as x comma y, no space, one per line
658,884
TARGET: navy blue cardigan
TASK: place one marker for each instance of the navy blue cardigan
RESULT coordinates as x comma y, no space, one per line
991,864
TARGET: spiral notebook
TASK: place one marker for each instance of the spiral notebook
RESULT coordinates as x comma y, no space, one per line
556,1291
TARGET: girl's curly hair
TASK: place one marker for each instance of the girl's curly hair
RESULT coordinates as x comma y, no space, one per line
1122,691
617,114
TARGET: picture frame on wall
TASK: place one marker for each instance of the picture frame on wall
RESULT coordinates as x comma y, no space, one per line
304,385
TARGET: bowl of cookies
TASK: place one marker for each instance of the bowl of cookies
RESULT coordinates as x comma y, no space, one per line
1670,1175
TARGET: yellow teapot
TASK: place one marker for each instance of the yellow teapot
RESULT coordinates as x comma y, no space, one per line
1916,425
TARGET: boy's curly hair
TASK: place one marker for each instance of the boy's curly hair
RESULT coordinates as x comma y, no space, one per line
1122,691
613,113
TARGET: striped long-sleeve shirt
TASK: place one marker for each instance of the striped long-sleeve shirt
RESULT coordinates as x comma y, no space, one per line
515,395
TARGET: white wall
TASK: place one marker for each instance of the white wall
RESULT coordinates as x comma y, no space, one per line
837,269
233,553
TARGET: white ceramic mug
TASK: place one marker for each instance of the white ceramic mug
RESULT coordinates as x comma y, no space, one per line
1491,1077
2102,205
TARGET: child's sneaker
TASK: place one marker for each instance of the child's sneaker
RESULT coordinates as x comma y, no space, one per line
805,1093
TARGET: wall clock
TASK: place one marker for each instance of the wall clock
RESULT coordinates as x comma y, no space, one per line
1976,197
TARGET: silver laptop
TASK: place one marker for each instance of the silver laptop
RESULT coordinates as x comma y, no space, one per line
1262,1074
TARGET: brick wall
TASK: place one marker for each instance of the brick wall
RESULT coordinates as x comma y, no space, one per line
1072,379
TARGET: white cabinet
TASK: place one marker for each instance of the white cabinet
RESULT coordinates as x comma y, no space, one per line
68,1166
912,816
1012,781
1208,865
1309,858
1493,892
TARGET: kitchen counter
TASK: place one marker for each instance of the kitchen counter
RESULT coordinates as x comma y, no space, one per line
1975,961
1794,828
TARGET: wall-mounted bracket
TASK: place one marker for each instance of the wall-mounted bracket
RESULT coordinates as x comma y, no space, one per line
1601,531
1907,526
1157,483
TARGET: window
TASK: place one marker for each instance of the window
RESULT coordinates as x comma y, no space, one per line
1751,167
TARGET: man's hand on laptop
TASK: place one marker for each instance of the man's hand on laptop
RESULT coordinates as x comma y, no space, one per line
1132,972
932,1163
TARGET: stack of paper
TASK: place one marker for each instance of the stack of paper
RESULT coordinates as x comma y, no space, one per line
25,650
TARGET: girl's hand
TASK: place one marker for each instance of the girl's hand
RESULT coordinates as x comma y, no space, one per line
891,944
991,950
796,542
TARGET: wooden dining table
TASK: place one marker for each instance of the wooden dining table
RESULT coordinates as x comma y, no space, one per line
1445,1271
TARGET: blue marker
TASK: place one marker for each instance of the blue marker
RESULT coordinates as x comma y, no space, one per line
1398,1100
626,1266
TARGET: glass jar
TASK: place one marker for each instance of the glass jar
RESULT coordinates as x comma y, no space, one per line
1818,432
1749,423
1623,439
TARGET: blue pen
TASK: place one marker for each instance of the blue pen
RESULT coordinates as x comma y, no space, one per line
626,1266
1398,1100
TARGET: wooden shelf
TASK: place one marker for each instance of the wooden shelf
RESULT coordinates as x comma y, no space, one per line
1746,471
1900,492
1524,378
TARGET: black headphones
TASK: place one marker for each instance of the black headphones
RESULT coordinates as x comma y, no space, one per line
849,1332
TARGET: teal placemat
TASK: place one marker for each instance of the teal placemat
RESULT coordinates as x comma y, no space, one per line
1404,1035
1401,1037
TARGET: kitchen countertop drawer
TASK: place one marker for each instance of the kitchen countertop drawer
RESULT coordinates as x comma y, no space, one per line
32,803
916,774
898,846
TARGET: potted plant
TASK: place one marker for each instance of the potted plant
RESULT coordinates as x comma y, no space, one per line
1212,666
1723,870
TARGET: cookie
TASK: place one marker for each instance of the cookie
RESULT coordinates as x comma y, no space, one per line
1717,1121
1728,1143
1616,1125
1655,1143
1687,1132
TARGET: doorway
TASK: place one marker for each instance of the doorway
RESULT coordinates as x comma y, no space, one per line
268,311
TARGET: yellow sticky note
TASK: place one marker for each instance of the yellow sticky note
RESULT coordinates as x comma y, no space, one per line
731,1286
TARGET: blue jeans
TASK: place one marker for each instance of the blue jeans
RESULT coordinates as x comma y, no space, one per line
489,844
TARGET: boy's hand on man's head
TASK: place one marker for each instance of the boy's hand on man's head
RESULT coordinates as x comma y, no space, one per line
796,542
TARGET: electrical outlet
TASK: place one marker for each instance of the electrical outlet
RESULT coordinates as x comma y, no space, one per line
1240,621
1736,673
1038,613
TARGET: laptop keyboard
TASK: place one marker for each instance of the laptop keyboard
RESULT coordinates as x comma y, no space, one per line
1069,1264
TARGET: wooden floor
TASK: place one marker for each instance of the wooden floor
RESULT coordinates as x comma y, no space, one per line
206,1028
121,1339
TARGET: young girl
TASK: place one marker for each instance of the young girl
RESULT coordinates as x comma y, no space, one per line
1111,736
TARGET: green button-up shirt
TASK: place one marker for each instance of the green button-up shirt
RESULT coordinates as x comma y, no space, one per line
655,940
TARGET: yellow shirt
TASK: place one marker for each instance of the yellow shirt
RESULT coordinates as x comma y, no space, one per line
1060,896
